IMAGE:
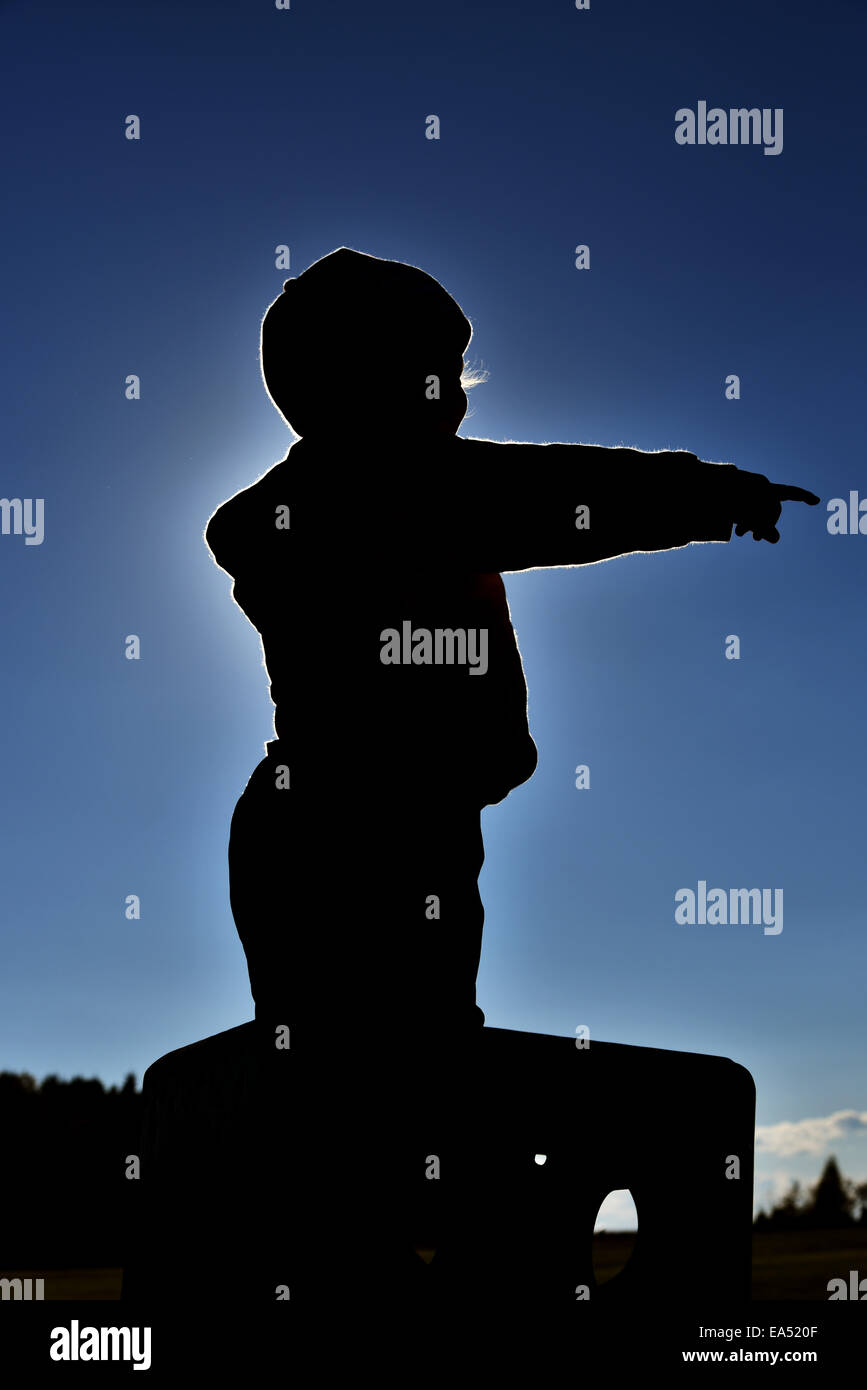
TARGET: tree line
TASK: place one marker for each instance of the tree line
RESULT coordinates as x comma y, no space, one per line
830,1203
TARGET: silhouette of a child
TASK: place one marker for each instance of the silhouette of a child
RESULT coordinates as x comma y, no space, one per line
356,847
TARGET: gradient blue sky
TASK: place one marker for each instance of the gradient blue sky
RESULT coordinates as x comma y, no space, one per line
306,127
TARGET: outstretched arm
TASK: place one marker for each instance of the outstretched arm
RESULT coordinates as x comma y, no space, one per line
527,506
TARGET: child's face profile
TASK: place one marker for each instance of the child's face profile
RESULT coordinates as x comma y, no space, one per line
442,415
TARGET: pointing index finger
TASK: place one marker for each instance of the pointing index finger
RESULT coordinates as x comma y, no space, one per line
796,494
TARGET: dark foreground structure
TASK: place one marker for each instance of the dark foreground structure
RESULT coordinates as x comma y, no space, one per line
240,1204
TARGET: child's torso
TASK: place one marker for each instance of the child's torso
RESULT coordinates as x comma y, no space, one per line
381,643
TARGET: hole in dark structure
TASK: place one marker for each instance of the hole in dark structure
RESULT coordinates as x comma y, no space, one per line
615,1233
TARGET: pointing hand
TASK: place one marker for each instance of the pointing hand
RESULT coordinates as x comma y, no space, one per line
757,505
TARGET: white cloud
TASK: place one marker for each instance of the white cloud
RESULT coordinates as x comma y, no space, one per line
810,1136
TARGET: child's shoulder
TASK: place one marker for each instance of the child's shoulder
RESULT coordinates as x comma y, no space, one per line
250,511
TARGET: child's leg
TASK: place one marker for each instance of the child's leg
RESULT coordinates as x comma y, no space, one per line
277,851
360,917
362,922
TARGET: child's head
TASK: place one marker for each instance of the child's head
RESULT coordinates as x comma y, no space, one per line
353,342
